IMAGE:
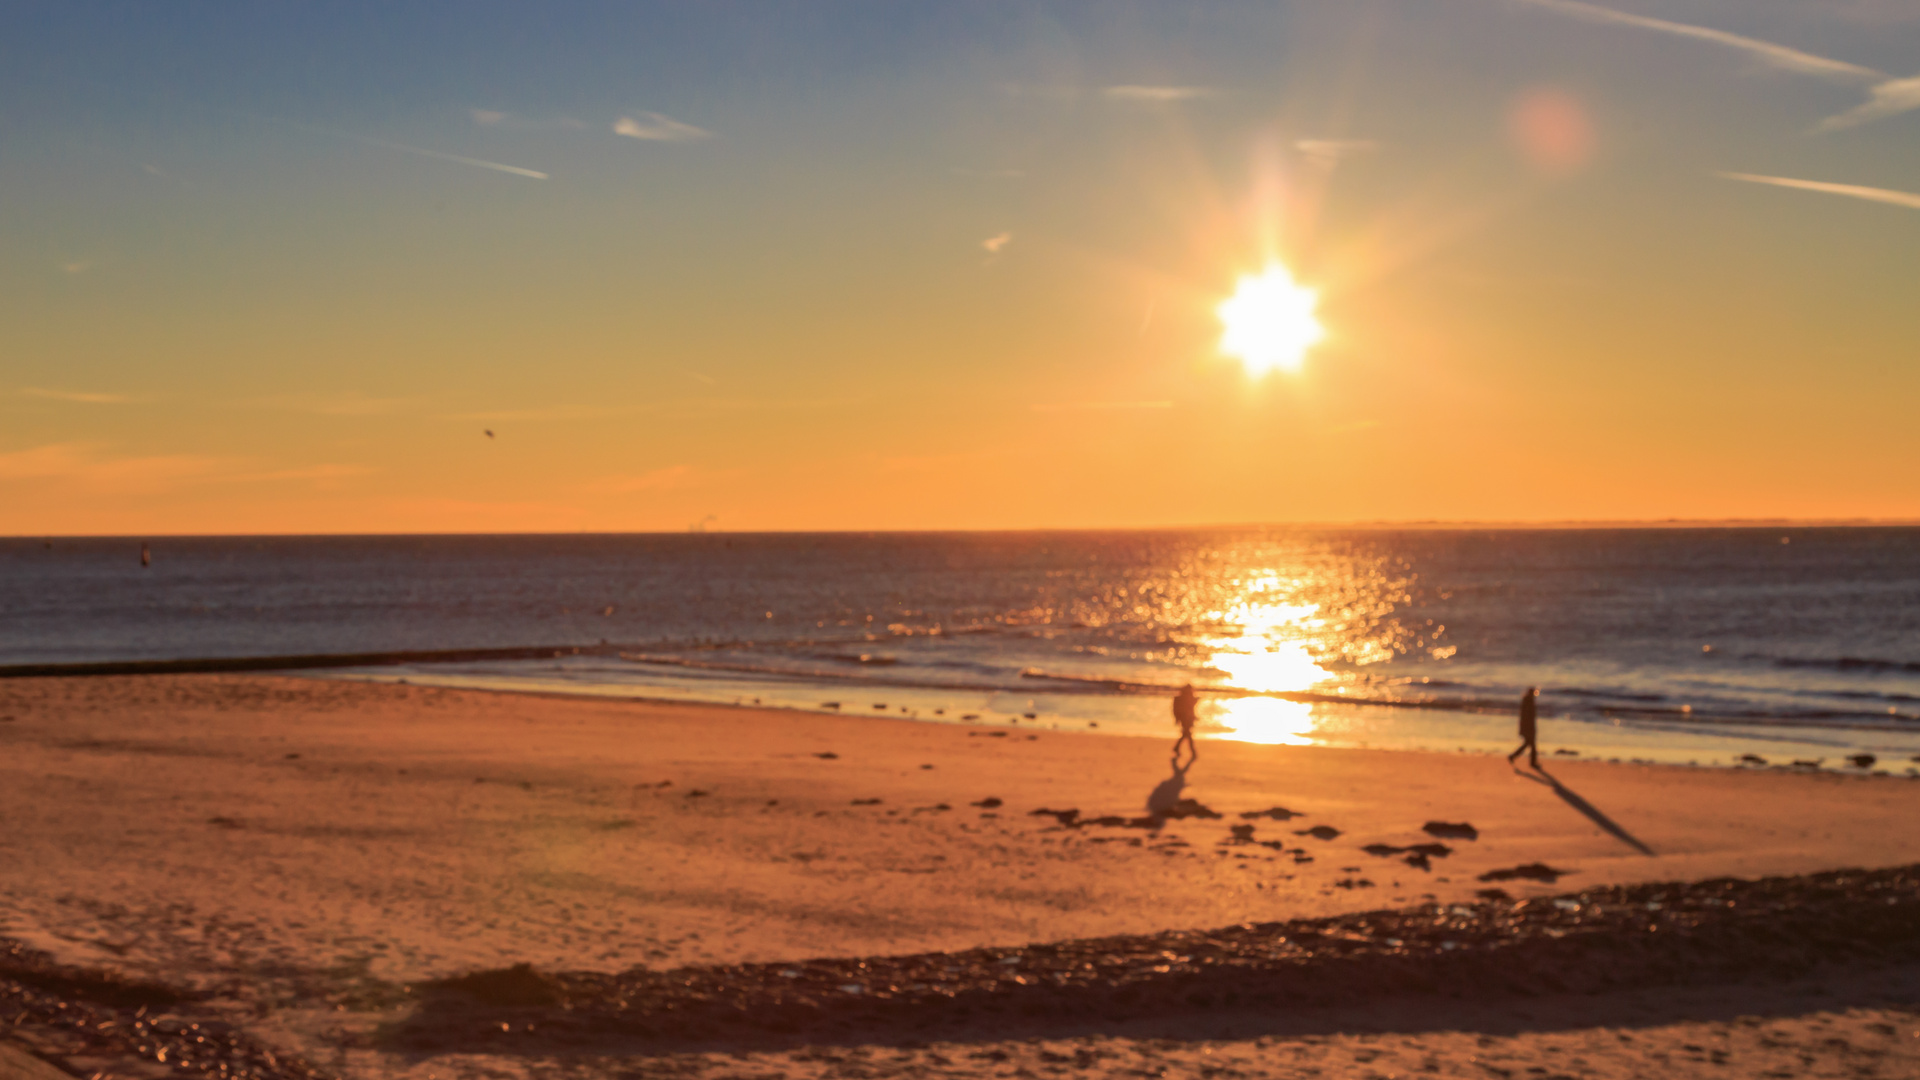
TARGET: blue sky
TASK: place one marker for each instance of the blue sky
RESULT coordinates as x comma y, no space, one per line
819,265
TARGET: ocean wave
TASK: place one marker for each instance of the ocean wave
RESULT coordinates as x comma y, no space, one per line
1874,695
1615,695
1589,702
1844,663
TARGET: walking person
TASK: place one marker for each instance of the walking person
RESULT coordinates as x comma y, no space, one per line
1183,715
1529,730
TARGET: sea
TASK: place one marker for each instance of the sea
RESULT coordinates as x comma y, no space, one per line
1730,647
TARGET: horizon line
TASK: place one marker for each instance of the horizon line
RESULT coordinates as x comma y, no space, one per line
1423,525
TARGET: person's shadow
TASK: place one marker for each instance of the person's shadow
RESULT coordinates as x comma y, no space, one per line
1572,798
1166,796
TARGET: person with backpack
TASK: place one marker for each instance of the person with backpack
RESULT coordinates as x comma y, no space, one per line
1184,703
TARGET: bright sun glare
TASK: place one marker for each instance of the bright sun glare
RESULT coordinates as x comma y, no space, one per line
1269,321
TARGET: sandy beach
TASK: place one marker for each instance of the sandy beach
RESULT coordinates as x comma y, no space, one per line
298,856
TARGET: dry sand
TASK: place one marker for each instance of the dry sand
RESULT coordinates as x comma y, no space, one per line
302,847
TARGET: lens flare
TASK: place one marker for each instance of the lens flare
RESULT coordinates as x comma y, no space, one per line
1268,321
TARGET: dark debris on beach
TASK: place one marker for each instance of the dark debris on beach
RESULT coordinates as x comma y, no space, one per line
104,1020
1602,938
1708,933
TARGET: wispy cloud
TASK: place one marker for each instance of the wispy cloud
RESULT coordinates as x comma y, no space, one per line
94,466
156,171
319,473
994,244
1102,406
515,170
1890,98
90,465
658,128
1908,199
420,151
1327,153
1157,95
498,119
1767,52
79,397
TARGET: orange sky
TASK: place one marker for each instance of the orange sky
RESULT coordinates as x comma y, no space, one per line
956,270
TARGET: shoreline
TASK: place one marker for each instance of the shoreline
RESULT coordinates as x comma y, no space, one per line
1781,744
1746,735
215,665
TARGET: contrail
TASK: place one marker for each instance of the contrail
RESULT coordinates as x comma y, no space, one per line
1907,199
1779,56
476,162
1890,98
496,166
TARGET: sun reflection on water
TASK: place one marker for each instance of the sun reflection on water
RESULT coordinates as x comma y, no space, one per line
1271,653
1274,721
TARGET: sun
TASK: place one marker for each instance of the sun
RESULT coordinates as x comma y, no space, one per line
1269,321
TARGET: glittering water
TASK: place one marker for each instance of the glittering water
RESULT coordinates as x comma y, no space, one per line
1669,643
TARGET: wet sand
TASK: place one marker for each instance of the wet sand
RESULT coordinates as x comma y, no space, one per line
302,850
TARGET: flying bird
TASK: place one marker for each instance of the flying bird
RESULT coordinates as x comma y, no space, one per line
489,432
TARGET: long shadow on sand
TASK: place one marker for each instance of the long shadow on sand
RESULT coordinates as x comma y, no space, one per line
1572,798
1165,795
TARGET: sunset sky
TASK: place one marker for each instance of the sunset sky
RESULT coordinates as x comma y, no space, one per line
280,268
